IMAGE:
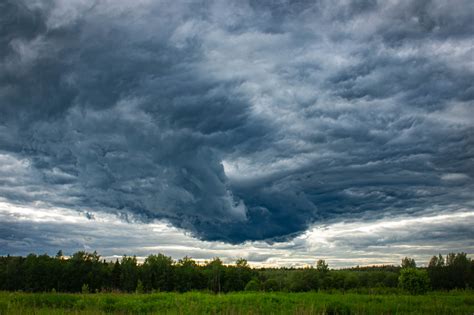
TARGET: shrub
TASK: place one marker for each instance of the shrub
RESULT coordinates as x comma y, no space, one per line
252,285
414,281
271,285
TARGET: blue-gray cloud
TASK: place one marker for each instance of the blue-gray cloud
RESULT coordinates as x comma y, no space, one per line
342,244
238,120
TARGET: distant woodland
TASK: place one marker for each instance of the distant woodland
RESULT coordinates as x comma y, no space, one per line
89,273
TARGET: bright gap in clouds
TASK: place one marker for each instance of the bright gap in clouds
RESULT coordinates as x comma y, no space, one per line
41,229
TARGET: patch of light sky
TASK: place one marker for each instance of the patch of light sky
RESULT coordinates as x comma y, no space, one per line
341,244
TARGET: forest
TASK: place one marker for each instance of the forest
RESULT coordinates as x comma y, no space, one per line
85,272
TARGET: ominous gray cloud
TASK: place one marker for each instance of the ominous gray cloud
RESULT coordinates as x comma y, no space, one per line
43,229
238,120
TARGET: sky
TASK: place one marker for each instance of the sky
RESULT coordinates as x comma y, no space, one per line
278,131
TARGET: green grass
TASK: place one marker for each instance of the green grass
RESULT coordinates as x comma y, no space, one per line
461,302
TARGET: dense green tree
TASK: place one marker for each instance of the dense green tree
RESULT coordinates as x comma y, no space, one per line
160,273
189,276
437,272
129,273
322,267
302,280
436,261
271,285
157,273
244,274
323,274
351,281
455,271
252,285
215,272
408,262
414,280
459,270
237,276
116,275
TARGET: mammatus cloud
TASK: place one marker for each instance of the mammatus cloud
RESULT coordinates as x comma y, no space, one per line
238,121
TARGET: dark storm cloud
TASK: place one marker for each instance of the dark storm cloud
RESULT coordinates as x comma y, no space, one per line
238,121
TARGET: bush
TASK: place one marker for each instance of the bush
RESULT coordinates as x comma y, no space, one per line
252,285
271,285
414,281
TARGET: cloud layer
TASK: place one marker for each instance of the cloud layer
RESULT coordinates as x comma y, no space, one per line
238,120
343,244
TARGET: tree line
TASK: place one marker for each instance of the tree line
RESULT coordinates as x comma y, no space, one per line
87,272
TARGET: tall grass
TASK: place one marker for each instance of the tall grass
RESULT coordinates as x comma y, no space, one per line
461,302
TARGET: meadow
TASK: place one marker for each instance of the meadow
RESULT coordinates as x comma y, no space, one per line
457,302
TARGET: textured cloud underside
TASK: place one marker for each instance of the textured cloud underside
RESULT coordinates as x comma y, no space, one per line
238,120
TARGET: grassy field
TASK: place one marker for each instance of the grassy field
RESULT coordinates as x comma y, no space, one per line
236,303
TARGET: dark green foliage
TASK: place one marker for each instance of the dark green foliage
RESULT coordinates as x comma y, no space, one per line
82,268
187,276
157,273
351,281
459,266
408,263
271,285
236,277
252,285
214,271
414,280
129,275
454,272
161,273
115,273
321,266
303,280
